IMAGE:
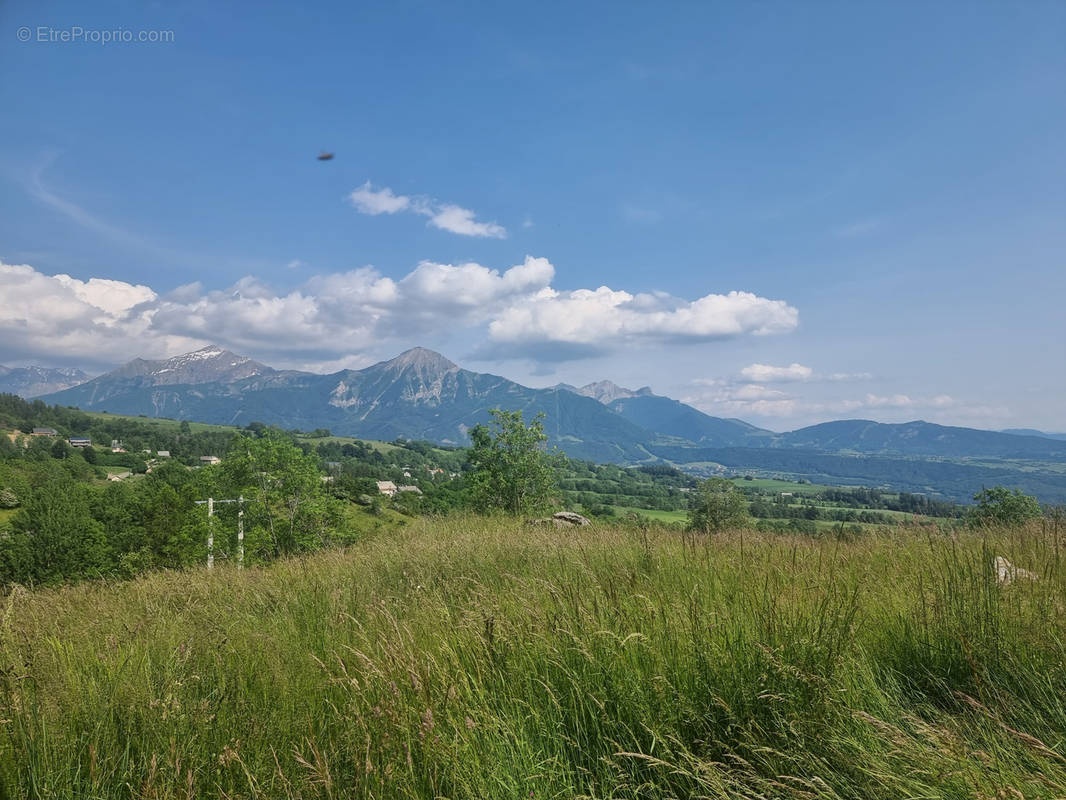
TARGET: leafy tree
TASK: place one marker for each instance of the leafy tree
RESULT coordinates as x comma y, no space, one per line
717,504
1002,506
509,468
8,499
287,508
54,537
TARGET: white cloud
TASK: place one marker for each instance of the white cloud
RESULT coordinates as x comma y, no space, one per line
848,376
461,220
726,397
444,216
764,373
368,201
339,318
56,317
891,401
586,320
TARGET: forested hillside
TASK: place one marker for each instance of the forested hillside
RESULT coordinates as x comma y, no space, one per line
131,496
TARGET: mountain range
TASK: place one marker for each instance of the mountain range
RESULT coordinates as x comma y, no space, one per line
1033,432
35,381
420,394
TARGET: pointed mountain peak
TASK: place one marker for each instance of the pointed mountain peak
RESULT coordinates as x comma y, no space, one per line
421,359
206,365
608,391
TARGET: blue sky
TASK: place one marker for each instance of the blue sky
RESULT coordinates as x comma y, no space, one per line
883,187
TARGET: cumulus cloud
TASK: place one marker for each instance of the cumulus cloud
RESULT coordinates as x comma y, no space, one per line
339,318
764,373
461,220
367,200
584,320
444,216
890,401
51,317
726,396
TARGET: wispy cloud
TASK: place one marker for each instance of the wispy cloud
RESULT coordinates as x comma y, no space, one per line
733,397
444,216
641,214
38,189
765,373
859,228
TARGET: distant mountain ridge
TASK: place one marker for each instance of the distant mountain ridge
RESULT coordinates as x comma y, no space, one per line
35,381
206,365
1033,432
417,395
672,418
604,391
918,438
420,394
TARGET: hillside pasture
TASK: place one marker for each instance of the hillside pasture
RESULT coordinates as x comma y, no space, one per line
470,658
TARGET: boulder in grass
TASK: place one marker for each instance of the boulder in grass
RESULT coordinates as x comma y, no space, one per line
563,518
1007,572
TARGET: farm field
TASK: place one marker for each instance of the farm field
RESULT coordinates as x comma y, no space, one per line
172,425
474,658
679,517
381,447
775,485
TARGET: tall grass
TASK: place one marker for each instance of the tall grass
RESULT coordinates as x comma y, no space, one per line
476,659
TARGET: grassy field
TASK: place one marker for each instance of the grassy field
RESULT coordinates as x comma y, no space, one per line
654,514
775,485
174,425
381,447
476,659
171,425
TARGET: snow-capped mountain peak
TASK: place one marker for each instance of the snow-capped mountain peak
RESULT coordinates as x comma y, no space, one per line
206,365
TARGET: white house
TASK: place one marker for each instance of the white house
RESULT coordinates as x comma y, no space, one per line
387,488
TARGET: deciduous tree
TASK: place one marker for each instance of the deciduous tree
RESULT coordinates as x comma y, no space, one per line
1002,506
510,470
717,504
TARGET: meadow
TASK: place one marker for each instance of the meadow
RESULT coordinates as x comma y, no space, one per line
474,658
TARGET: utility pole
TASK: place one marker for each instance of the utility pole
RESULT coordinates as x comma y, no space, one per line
210,502
210,532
